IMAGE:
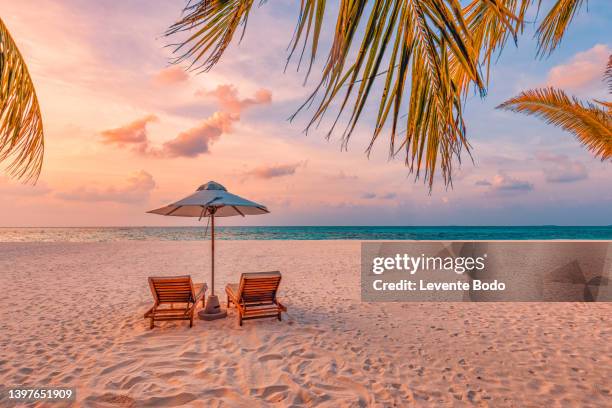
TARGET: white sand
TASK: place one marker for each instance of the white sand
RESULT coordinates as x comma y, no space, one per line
71,316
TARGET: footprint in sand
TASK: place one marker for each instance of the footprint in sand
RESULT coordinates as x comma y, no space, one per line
110,400
271,393
269,357
116,366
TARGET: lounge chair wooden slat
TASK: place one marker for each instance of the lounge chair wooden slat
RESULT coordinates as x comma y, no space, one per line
255,296
168,291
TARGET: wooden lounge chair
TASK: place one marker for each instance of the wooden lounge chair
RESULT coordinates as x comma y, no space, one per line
255,296
171,290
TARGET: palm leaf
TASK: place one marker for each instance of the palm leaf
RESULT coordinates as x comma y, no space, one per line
424,50
402,39
213,23
21,129
591,125
491,25
608,74
551,30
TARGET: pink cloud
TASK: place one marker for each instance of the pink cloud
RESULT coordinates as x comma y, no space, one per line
386,196
343,176
561,169
133,134
583,69
485,183
268,172
196,140
227,97
136,190
504,183
24,190
170,75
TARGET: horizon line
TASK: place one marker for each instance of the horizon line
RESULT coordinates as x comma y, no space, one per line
317,226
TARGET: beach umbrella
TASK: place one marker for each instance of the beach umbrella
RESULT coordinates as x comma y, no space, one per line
212,200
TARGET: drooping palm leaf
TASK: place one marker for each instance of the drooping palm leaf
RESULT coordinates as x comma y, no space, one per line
21,129
551,30
426,51
608,74
421,37
214,23
589,123
490,29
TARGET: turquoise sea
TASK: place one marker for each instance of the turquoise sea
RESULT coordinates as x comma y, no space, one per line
103,234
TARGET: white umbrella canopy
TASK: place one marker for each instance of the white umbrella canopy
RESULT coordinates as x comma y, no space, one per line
212,200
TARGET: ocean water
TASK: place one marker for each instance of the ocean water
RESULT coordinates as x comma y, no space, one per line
104,234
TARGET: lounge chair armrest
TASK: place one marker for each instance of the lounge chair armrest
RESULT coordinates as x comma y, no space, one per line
201,292
281,306
150,311
190,309
231,290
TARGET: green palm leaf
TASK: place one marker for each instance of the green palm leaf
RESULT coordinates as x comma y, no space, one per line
591,125
21,129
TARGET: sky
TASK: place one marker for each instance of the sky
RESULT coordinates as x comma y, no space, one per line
126,131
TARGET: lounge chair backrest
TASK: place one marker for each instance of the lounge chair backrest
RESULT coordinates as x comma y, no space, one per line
176,289
259,287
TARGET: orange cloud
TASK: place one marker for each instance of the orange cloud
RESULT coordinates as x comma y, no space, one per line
170,75
196,140
227,97
132,134
136,190
585,68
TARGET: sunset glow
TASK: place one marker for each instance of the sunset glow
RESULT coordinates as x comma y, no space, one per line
127,132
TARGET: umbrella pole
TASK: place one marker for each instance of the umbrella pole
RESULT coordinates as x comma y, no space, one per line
212,253
213,310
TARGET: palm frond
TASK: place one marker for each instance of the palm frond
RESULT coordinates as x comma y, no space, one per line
21,129
213,23
491,25
608,74
591,124
551,30
423,50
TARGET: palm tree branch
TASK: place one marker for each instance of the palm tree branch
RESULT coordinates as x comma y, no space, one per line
425,49
608,74
591,124
553,27
21,128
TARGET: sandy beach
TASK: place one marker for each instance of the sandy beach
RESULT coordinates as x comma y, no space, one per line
72,316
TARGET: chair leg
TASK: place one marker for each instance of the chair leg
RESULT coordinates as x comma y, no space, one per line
191,320
152,324
239,319
228,302
279,317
